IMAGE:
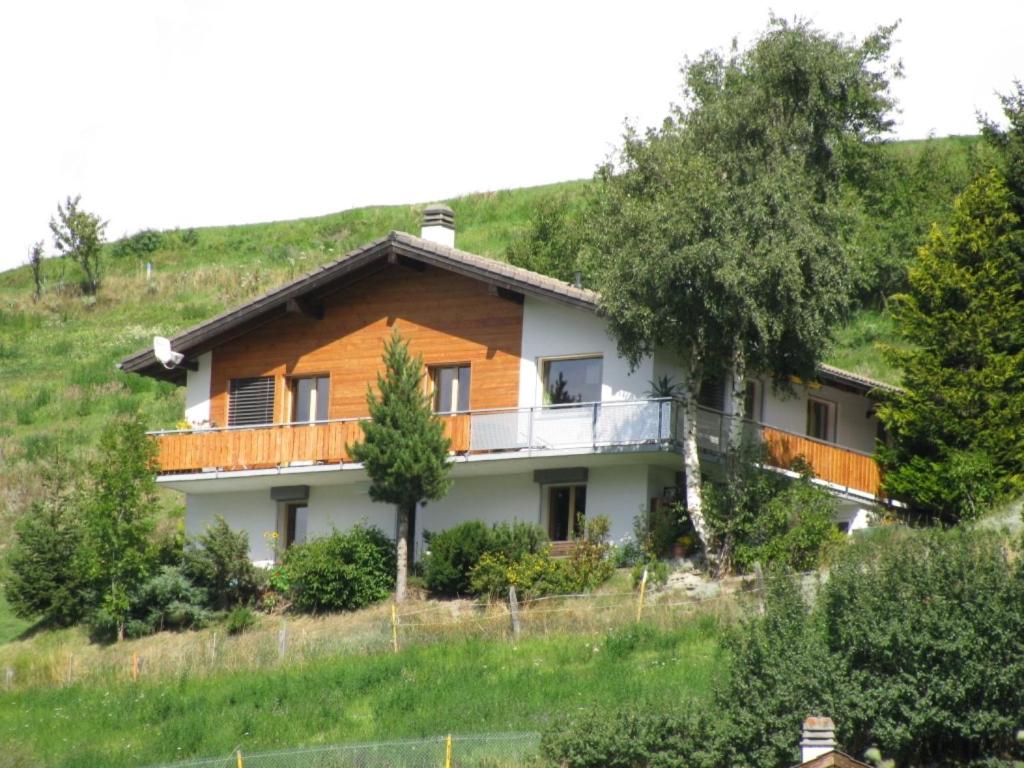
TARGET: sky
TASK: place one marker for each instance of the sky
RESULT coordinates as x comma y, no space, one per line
194,113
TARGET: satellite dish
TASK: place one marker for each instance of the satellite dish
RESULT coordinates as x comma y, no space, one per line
164,353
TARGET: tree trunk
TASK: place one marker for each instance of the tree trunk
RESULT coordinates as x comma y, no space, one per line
402,545
691,460
737,397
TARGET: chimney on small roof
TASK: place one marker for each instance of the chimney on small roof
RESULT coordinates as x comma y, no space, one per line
819,738
439,225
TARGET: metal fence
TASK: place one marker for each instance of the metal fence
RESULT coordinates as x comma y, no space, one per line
487,750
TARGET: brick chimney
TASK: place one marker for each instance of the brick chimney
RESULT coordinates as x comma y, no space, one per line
819,738
439,225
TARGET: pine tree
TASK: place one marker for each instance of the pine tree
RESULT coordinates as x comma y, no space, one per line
957,427
404,449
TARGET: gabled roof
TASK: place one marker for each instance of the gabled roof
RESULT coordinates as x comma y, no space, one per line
833,759
370,258
335,274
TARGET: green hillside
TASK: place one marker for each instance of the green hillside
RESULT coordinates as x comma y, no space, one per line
58,384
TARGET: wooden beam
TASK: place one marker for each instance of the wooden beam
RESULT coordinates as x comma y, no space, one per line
307,308
505,293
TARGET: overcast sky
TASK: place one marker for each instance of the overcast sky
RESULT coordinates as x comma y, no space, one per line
164,114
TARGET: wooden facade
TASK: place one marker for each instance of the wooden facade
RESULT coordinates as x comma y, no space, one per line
830,463
445,317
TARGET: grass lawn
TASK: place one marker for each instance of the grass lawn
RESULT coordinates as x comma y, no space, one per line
10,625
466,686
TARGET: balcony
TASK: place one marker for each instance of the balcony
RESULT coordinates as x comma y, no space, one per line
614,426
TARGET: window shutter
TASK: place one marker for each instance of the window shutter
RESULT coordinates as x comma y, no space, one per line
251,401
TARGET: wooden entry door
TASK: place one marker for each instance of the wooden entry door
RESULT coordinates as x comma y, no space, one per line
567,508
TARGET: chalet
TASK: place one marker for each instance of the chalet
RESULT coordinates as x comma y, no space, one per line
546,421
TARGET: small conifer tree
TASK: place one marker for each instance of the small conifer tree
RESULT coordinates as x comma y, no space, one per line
404,449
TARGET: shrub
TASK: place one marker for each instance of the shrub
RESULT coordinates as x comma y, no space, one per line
240,619
534,575
657,572
170,600
343,571
767,517
630,739
218,561
517,539
141,244
590,565
453,553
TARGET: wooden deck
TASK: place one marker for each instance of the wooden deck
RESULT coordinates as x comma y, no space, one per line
588,429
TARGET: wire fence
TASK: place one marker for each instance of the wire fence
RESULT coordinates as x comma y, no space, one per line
487,750
296,639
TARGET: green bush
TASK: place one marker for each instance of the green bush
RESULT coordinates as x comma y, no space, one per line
240,619
343,571
534,575
170,600
218,561
141,244
590,564
761,516
657,572
453,553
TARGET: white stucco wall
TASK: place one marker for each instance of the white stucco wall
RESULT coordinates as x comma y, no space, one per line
620,494
197,392
249,511
557,330
854,428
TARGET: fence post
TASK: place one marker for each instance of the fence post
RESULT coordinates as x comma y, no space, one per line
282,640
135,666
759,585
513,609
448,752
238,759
394,627
643,589
8,678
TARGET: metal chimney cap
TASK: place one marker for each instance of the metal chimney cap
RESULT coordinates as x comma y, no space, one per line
438,215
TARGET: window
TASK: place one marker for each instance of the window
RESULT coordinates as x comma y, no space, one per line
567,508
712,393
821,417
291,524
310,397
574,380
750,401
251,401
451,388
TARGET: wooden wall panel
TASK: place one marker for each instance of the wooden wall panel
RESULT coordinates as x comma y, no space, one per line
446,318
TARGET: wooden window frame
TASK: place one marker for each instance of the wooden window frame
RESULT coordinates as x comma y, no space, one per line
291,400
548,489
433,369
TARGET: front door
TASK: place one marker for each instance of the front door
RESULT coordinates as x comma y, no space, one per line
567,508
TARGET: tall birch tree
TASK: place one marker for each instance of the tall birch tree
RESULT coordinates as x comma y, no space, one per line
719,235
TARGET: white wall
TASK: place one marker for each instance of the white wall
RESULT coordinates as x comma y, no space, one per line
197,392
854,428
556,330
249,511
620,494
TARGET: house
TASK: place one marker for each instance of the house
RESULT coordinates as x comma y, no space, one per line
547,422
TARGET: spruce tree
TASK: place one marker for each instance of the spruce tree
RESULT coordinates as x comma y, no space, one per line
957,427
404,449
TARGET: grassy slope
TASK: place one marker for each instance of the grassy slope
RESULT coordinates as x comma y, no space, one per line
468,686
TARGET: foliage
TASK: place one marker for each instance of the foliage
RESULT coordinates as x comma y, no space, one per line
404,450
661,528
533,575
765,517
168,600
343,571
119,518
629,739
78,235
241,618
35,263
957,426
218,561
590,564
453,553
657,572
552,241
45,573
1008,144
140,245
517,539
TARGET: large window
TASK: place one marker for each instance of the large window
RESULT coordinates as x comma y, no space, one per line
251,401
310,397
291,524
572,380
451,388
821,419
567,509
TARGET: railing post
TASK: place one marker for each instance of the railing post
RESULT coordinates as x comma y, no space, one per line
529,429
661,408
593,425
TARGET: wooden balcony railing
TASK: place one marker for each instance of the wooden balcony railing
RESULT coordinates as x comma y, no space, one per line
589,427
